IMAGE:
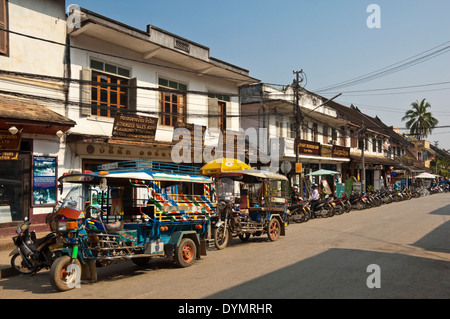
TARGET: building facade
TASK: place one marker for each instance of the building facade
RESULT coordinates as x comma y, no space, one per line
83,90
32,103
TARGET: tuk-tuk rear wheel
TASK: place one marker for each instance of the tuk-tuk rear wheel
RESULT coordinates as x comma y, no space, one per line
185,253
273,229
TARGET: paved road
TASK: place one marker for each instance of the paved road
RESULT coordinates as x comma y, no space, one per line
323,258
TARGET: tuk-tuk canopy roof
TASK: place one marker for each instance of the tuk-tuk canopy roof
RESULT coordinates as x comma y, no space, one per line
253,173
141,175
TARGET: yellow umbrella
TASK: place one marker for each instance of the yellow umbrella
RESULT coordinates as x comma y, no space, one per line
223,165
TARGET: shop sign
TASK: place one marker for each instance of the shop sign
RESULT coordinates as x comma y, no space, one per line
309,148
341,151
326,151
135,127
9,156
44,180
9,142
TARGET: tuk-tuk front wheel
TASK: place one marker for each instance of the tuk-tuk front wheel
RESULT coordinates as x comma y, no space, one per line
185,253
273,229
65,273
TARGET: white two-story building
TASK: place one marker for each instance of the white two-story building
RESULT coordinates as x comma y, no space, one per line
149,75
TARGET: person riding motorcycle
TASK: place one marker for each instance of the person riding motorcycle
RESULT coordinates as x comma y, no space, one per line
295,198
314,199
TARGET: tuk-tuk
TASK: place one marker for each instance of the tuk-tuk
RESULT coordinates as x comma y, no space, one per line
134,210
250,202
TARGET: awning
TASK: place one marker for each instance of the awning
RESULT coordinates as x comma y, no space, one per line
376,160
31,117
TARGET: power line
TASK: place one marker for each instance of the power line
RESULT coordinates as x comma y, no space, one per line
121,57
391,68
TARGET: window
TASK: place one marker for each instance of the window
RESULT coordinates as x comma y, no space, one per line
315,133
110,68
172,103
217,111
374,145
107,95
279,125
325,134
4,25
107,90
292,128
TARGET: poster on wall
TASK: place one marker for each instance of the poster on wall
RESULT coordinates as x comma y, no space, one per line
44,181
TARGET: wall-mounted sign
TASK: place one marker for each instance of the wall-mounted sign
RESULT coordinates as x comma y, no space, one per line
132,127
341,151
44,180
326,151
9,156
9,142
309,148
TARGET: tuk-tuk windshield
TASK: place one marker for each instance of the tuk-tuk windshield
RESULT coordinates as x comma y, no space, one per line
279,188
74,199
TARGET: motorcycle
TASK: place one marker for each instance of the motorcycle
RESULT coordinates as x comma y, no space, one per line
339,206
357,201
346,203
299,212
324,208
31,254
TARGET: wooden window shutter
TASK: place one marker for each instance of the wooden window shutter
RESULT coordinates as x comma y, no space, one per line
3,25
228,119
86,91
213,120
132,95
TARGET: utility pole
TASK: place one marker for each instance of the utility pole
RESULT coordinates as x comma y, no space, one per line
297,111
362,132
299,121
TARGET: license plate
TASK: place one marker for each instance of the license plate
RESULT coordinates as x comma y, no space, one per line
55,247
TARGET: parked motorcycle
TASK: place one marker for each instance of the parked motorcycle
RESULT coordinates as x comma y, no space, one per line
346,203
357,201
324,208
31,254
299,212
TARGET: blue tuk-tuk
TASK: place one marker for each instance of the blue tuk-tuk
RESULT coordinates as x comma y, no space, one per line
133,210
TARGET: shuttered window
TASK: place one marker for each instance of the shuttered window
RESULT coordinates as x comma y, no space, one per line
172,103
3,25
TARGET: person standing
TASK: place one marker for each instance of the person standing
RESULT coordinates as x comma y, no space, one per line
314,199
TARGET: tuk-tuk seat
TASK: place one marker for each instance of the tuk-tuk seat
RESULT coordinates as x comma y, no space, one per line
244,204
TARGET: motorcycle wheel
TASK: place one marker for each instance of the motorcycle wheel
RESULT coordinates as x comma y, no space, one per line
220,238
331,211
17,263
298,216
61,278
339,209
347,207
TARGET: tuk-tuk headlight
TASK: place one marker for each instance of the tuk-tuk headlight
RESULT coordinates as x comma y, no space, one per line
66,226
61,226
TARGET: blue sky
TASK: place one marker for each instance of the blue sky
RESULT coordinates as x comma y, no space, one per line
328,39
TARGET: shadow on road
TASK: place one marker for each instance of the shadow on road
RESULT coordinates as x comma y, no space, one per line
438,240
346,277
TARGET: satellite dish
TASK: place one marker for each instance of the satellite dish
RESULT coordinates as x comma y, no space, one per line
103,184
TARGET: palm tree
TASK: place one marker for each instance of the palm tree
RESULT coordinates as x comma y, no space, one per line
420,122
